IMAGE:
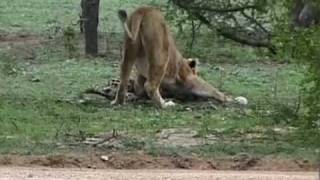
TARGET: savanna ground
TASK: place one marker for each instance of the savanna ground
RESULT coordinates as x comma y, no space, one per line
45,121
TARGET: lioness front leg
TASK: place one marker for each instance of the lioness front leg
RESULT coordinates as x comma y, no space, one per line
157,71
154,94
125,70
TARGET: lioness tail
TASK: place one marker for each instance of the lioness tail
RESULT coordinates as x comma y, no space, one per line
135,24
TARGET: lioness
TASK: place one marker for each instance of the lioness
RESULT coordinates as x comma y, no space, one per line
151,48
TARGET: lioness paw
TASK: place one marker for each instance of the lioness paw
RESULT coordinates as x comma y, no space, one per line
169,104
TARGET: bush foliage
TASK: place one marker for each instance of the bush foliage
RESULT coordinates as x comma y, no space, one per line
302,45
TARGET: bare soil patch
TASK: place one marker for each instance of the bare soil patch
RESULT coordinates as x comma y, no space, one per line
23,46
12,173
19,39
140,160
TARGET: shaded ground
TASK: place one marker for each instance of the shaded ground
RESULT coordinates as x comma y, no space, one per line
42,173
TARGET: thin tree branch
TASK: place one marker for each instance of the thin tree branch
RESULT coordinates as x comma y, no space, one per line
233,34
236,37
217,10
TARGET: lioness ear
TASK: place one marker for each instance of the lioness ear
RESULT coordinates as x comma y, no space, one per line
193,64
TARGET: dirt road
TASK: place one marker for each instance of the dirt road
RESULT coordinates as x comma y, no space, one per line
18,173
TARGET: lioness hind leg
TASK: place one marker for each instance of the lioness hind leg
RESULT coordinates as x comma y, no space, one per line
139,86
129,57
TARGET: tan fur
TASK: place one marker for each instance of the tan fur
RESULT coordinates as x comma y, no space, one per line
151,48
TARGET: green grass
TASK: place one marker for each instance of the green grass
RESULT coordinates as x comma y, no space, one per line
37,16
40,117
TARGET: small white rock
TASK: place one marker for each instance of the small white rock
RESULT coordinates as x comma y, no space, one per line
81,101
241,100
188,109
104,158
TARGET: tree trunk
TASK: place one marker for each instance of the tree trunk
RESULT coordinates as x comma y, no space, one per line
305,14
90,14
298,6
81,17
